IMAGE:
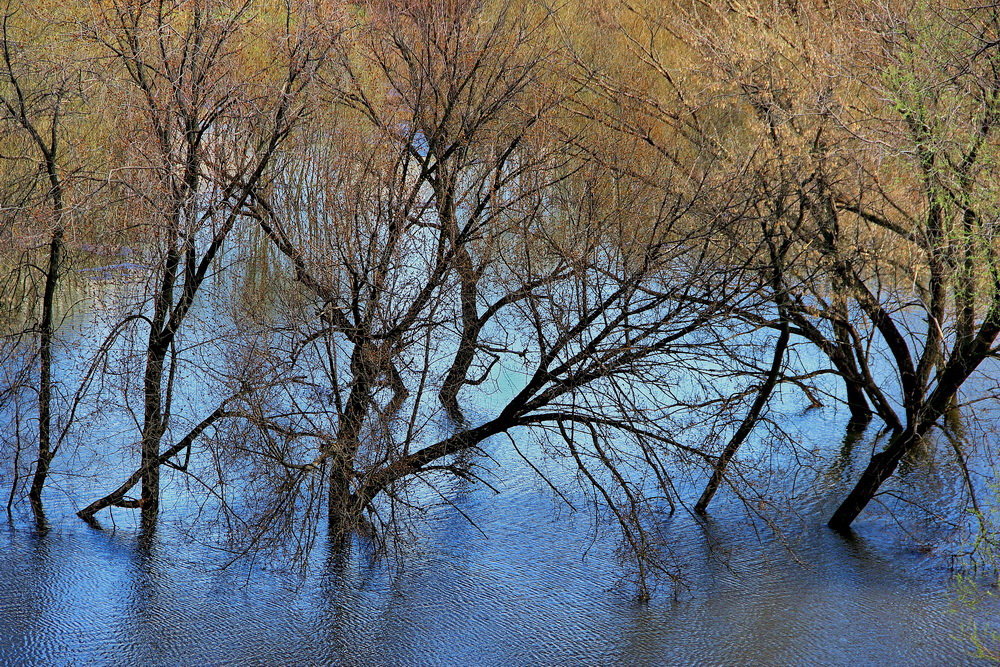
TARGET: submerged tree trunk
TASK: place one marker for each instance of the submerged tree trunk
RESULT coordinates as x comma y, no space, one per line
39,113
965,358
163,327
746,426
152,431
879,469
341,514
46,327
45,450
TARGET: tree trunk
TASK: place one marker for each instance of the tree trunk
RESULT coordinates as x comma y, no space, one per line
339,516
457,374
746,426
45,451
861,412
161,333
153,427
879,469
468,301
340,506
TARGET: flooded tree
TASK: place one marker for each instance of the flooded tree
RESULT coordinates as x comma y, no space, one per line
208,121
447,232
890,205
939,72
865,135
599,235
39,90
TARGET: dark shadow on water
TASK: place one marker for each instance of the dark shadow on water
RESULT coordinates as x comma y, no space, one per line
836,478
338,557
715,548
147,540
852,436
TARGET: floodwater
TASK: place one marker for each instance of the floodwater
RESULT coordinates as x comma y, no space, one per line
537,585
507,578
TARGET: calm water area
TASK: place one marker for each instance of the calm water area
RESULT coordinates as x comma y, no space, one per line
506,578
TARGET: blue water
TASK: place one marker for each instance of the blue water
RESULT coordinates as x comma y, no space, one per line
514,577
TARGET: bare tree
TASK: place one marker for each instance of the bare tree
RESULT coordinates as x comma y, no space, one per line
843,108
38,92
445,227
206,137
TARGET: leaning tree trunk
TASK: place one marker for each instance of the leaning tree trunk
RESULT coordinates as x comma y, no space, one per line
880,468
763,395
